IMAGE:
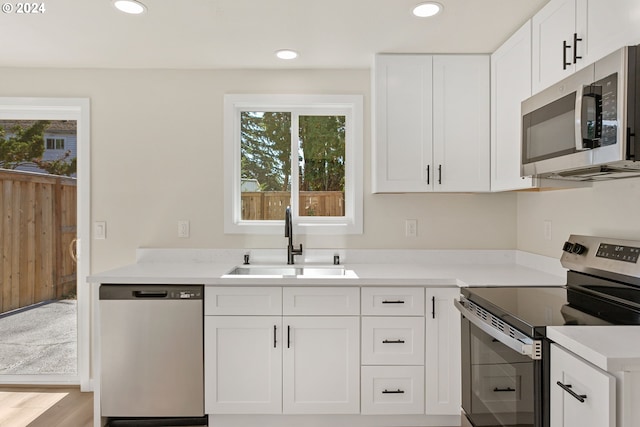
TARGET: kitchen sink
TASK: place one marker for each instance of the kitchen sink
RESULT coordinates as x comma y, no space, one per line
288,271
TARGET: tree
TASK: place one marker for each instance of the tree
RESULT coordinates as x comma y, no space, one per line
322,153
25,146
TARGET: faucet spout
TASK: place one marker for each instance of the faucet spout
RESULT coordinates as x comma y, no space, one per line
288,232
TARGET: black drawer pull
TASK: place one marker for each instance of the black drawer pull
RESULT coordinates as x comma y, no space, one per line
275,341
398,391
393,302
393,342
498,390
567,388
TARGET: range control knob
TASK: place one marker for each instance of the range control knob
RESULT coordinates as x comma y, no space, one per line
568,247
579,249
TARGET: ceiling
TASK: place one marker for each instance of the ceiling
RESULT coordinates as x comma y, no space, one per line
208,34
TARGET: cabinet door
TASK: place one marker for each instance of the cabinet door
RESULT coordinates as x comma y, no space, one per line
607,25
442,361
401,155
553,25
510,85
243,364
461,121
321,365
588,398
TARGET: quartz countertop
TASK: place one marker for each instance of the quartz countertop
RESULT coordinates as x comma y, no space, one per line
419,268
611,348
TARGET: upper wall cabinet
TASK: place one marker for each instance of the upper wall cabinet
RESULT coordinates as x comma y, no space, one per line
510,85
570,34
431,123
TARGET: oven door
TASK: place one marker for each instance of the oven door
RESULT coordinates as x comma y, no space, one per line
499,385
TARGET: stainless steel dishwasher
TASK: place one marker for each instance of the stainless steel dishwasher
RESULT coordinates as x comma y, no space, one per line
151,351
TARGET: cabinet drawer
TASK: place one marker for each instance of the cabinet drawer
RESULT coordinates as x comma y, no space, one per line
229,301
581,394
319,301
393,301
392,390
393,340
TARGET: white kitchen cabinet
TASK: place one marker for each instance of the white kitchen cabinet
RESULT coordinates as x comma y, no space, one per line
431,123
442,352
582,395
510,85
243,364
321,365
393,340
461,123
273,364
553,30
392,390
590,30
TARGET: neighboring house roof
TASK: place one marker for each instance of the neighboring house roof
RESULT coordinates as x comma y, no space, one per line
57,127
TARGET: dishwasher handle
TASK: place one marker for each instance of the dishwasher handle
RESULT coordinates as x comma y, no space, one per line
150,294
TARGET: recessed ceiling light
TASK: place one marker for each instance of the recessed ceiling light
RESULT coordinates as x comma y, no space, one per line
424,10
132,7
286,54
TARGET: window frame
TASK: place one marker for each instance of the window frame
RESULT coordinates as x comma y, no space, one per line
351,106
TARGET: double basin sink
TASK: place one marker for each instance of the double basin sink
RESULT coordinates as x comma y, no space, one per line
297,271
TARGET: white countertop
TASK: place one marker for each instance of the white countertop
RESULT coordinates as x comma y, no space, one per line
611,348
402,268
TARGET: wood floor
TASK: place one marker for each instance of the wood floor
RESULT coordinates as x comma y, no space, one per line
45,407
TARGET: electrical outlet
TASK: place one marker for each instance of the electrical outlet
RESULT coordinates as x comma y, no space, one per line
547,229
183,229
411,227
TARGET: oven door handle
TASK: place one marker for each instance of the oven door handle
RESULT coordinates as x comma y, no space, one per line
533,349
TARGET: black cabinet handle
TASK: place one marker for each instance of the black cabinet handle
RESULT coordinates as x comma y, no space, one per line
499,390
565,46
440,174
398,391
392,341
575,47
433,307
428,173
399,301
274,336
567,388
288,336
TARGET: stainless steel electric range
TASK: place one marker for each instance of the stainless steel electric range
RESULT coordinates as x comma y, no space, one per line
505,352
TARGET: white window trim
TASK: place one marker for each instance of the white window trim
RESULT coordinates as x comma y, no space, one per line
351,106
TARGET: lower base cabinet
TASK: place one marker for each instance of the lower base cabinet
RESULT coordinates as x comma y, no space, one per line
582,395
297,356
392,390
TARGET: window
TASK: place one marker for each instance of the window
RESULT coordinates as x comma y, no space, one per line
54,143
299,150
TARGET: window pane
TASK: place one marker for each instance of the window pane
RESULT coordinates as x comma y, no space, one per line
265,156
321,161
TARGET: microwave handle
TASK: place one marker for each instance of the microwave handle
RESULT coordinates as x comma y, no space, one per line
578,119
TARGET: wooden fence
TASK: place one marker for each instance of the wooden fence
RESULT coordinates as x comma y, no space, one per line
270,205
37,227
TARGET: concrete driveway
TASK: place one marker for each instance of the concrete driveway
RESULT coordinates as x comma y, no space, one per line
39,340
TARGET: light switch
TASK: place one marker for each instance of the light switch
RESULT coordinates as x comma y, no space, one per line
100,230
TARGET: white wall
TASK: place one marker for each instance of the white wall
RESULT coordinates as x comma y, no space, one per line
608,209
157,158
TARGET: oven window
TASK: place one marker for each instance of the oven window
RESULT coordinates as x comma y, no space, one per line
502,383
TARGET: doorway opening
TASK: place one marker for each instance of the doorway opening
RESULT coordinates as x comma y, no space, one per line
44,207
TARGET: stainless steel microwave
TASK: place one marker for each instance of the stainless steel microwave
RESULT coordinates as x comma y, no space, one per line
583,128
